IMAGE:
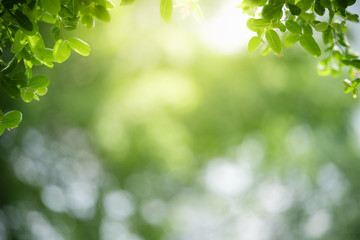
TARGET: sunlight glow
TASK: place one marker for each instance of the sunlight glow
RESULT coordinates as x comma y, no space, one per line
226,32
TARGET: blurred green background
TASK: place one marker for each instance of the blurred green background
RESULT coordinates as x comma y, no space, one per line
174,132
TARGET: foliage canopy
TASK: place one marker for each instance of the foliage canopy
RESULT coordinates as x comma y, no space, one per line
278,24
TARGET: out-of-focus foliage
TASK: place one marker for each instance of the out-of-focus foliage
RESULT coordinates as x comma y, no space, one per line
155,136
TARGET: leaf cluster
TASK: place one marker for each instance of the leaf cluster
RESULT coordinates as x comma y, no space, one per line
20,36
281,23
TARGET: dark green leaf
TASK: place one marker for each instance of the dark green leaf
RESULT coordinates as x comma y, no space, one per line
295,10
166,8
10,66
326,3
352,63
23,20
310,45
274,41
352,17
21,79
9,86
319,9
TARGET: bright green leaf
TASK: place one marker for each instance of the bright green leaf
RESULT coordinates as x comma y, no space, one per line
321,27
11,119
19,41
293,26
79,46
62,51
26,95
37,45
41,91
274,41
166,8
254,43
38,82
310,45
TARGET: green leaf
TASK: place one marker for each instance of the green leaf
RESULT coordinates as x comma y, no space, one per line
274,41
26,95
79,46
23,20
352,63
21,79
52,6
321,27
88,21
310,45
11,66
9,86
166,8
49,55
126,2
38,82
1,114
305,4
294,10
19,41
319,9
254,43
293,26
307,30
41,91
272,11
37,45
101,13
55,33
355,93
11,119
257,25
352,17
290,39
326,3
62,51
